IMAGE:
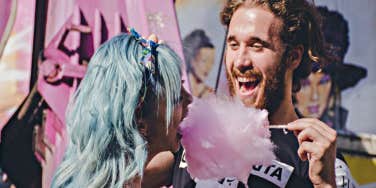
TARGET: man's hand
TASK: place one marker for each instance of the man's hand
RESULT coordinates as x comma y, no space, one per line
317,143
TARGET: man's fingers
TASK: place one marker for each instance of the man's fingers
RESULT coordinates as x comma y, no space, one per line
310,134
318,127
319,123
309,148
301,124
330,133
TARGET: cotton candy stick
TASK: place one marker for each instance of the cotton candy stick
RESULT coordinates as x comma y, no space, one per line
284,127
277,126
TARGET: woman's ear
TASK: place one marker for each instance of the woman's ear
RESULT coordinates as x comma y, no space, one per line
295,56
140,120
142,127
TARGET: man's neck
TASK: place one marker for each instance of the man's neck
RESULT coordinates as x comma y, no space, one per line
284,114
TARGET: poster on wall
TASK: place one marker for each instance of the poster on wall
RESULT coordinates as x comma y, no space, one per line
358,99
349,104
15,59
320,94
203,38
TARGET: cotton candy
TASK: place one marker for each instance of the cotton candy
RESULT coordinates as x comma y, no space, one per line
223,138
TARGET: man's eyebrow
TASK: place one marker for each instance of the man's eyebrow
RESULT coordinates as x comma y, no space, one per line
265,43
231,38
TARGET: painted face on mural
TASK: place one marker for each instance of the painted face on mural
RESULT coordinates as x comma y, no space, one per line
312,100
203,62
254,58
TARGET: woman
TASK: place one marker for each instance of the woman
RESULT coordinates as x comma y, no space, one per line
126,110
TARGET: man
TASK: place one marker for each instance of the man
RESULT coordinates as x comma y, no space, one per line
269,48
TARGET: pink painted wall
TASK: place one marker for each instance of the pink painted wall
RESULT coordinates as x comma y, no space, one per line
15,60
85,26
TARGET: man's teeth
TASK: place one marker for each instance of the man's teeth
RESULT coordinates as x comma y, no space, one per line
242,79
247,83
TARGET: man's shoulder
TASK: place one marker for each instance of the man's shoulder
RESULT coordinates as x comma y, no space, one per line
343,174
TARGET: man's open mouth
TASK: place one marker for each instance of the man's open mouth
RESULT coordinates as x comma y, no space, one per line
247,84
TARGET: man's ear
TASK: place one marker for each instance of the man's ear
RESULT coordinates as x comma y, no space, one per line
295,56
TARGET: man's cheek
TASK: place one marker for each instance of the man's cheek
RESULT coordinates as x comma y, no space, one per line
228,70
268,71
227,64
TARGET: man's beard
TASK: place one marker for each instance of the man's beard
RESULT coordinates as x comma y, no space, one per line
273,86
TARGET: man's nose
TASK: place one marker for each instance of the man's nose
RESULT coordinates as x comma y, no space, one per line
243,59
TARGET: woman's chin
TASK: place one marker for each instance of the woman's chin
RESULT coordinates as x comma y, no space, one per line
175,146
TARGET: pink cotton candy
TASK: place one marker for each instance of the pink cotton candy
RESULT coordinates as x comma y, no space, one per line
223,138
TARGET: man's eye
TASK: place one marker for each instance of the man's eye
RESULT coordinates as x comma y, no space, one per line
257,46
233,45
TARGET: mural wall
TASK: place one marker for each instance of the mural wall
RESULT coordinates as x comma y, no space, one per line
343,94
15,61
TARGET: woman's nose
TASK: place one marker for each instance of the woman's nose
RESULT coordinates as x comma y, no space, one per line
187,99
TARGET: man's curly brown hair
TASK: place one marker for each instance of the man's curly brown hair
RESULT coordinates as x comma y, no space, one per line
301,26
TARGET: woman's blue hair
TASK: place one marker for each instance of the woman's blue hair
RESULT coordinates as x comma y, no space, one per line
105,148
